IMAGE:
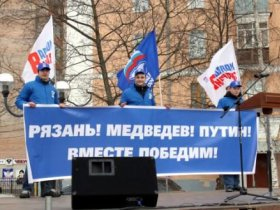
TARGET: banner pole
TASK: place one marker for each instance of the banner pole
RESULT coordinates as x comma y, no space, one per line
160,92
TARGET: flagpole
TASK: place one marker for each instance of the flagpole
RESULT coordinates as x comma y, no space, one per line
53,59
160,92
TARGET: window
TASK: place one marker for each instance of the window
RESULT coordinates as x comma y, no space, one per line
140,5
194,4
197,44
198,96
264,34
242,7
247,35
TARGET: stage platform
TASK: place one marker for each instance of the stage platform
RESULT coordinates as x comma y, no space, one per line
170,200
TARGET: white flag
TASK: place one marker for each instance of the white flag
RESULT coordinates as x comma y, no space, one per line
222,70
43,50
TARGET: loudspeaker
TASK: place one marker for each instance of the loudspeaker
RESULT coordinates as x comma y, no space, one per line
115,182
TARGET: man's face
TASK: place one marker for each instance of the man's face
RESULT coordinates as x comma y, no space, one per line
44,74
21,174
140,79
235,91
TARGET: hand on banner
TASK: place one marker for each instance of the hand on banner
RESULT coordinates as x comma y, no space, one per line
62,105
167,106
122,104
226,108
31,104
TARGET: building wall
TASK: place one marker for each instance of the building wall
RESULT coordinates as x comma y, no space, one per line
14,46
274,32
22,23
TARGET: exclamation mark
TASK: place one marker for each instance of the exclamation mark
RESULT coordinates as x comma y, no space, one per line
192,131
215,152
98,128
249,131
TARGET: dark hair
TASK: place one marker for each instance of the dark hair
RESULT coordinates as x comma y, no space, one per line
139,72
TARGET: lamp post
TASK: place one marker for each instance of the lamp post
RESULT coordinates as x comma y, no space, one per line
6,83
63,89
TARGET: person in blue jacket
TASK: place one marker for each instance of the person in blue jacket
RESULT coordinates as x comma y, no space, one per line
39,91
231,182
139,94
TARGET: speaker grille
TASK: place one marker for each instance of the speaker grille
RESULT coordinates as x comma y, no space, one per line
113,182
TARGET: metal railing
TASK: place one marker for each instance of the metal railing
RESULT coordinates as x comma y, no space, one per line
10,186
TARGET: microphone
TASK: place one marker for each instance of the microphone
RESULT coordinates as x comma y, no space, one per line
261,75
226,108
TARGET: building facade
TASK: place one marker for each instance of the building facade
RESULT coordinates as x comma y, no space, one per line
21,22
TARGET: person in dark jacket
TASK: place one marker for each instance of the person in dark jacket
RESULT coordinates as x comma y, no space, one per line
231,182
39,91
139,94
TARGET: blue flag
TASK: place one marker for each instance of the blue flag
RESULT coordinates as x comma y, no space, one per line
144,58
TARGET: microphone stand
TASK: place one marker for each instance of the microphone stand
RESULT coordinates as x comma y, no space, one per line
243,190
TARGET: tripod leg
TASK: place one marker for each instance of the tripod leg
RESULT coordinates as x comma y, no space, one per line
263,196
268,155
244,192
269,171
231,197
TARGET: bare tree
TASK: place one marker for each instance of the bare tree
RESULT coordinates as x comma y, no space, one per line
110,32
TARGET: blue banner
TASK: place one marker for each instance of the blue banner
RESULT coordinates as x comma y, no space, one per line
144,59
182,141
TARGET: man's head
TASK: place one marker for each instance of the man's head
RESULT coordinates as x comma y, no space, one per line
44,71
140,78
21,173
235,88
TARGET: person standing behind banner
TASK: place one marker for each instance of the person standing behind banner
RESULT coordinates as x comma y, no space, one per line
231,182
139,94
39,91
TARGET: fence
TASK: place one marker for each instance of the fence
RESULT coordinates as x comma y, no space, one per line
10,186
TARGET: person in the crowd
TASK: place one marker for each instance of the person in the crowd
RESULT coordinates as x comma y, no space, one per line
39,91
231,182
139,94
20,177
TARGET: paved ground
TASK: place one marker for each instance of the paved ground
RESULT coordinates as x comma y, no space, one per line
173,200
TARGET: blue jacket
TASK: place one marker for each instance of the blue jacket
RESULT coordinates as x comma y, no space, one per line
38,92
227,101
132,97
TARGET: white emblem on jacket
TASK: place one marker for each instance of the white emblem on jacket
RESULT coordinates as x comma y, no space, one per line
53,93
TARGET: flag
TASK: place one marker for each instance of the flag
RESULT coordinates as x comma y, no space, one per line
222,70
144,58
43,50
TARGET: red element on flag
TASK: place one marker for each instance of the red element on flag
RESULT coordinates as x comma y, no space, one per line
34,60
219,82
135,62
49,58
42,51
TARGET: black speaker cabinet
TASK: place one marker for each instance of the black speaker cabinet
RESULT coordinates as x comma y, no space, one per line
115,182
